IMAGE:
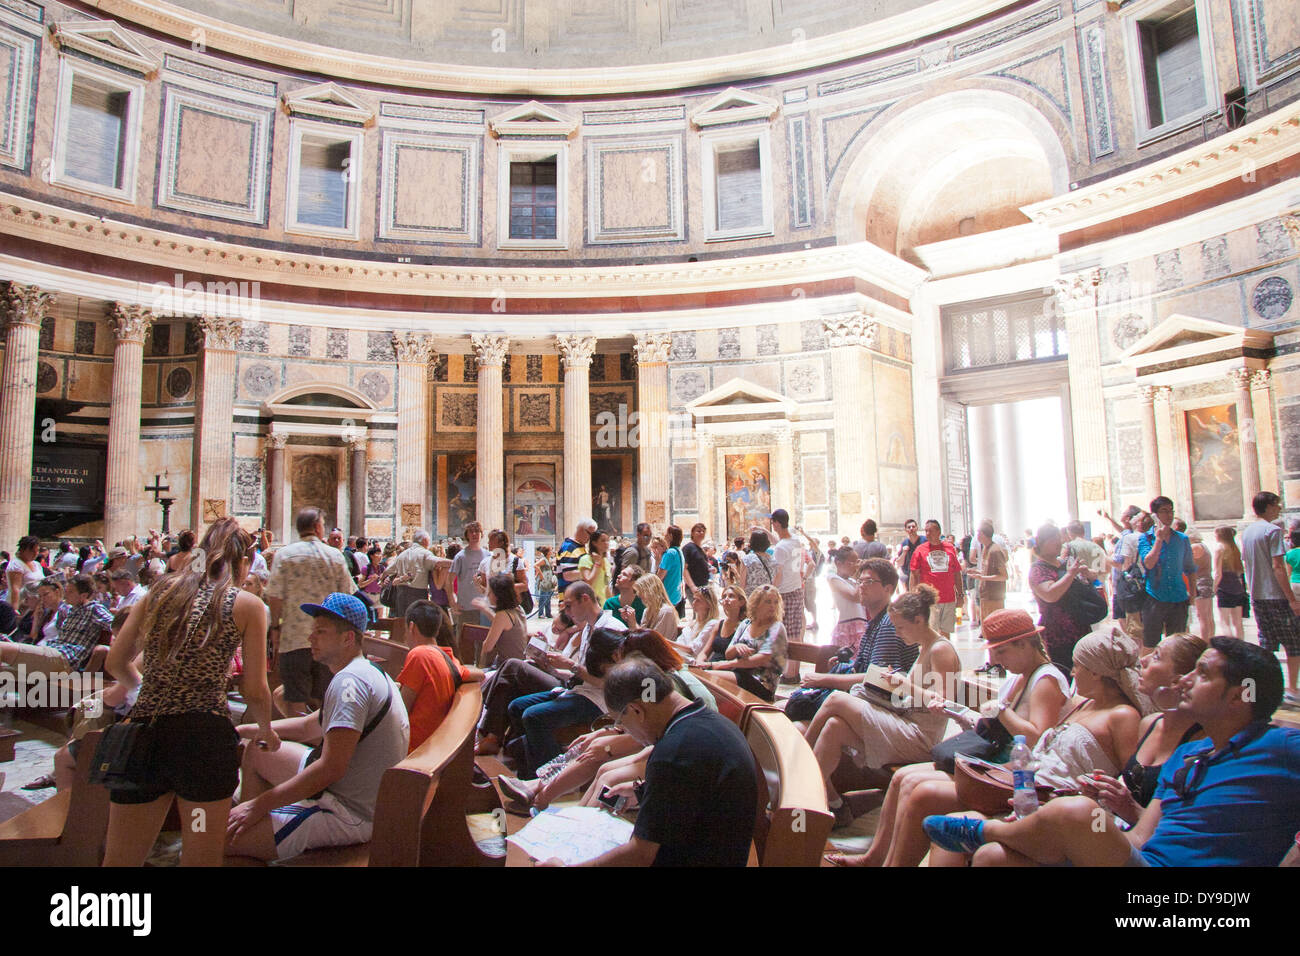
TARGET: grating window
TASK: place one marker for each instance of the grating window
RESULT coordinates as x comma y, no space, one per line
996,332
533,198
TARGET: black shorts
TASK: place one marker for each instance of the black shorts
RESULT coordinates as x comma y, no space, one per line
746,679
304,680
195,756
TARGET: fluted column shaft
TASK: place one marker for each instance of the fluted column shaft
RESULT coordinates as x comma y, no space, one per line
850,337
1075,294
130,324
24,308
1246,440
653,453
275,488
490,483
216,409
577,351
413,354
357,483
706,490
1150,441
1266,440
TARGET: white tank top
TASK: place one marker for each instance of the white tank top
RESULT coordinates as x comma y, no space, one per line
847,608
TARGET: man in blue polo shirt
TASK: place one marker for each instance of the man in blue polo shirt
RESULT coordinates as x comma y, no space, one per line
1230,799
1166,555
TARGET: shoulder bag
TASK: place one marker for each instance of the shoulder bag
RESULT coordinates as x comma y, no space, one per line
122,758
525,596
988,740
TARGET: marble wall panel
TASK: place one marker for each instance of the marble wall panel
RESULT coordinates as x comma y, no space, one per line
895,435
816,481
429,188
248,486
634,190
768,375
456,409
19,59
534,409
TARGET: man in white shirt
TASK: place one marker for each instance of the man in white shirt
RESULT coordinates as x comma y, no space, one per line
787,578
127,588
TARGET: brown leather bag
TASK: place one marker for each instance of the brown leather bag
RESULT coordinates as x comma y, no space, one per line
988,789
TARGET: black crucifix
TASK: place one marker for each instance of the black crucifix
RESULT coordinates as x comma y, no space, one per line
166,503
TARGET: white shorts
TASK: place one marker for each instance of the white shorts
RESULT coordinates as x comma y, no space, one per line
312,824
943,617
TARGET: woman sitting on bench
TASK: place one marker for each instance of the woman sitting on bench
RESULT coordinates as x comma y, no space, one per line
756,656
876,733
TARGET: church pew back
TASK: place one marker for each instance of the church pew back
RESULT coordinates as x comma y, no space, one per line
793,819
68,829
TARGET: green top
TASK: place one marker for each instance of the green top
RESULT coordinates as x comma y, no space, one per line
615,605
1293,562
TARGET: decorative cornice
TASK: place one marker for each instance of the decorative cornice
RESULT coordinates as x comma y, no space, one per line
734,106
412,348
652,348
577,350
130,323
853,328
43,222
293,54
1075,291
220,332
533,119
328,101
1240,152
25,304
105,40
490,349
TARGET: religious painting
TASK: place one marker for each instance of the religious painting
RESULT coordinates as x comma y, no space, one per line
462,502
314,483
533,499
1214,462
607,494
749,492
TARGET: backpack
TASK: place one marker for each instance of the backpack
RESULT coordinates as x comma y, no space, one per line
546,582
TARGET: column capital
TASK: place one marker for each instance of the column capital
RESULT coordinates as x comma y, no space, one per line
412,348
1291,223
1152,393
1240,377
221,331
489,349
1260,379
130,323
357,442
652,348
1074,290
851,328
577,350
277,441
25,304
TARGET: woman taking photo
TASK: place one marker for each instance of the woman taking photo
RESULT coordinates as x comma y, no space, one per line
757,655
876,734
188,627
1229,583
1049,579
1027,703
852,621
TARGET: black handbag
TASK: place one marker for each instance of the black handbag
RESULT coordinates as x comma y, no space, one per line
989,740
525,596
1085,604
388,595
122,758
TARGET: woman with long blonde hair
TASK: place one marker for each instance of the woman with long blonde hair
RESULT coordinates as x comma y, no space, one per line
1229,581
660,615
757,655
705,610
188,628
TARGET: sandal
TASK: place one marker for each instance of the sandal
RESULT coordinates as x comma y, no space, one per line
42,783
487,746
845,859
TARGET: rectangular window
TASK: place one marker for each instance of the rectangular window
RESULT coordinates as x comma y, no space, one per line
534,193
738,200
323,174
96,141
1170,65
740,187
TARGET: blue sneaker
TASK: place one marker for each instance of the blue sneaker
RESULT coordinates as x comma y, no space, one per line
957,834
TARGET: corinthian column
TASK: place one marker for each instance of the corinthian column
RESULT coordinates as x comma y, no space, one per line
24,307
413,353
850,337
577,351
1246,440
1077,300
490,483
275,443
130,324
212,449
653,455
357,482
1150,442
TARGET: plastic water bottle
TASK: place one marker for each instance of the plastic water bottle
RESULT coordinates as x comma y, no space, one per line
1025,797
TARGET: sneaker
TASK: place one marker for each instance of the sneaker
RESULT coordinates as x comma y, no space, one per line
992,670
957,834
516,790
1291,697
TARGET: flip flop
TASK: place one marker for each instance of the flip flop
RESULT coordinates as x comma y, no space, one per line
41,783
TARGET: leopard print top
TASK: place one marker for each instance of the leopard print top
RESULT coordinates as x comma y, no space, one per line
194,680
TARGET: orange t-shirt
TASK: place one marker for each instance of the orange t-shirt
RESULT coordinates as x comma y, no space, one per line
426,672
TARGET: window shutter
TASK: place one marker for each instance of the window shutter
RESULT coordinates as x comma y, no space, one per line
322,188
1182,83
740,188
95,135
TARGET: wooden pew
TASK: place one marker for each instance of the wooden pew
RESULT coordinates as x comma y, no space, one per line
820,656
60,719
388,655
469,644
793,821
733,702
386,625
420,815
67,829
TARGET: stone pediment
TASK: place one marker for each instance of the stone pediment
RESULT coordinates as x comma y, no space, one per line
533,119
733,106
325,400
328,101
740,399
105,40
1184,342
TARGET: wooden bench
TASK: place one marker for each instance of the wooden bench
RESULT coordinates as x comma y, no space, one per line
386,625
420,815
388,655
469,643
60,719
67,829
733,702
819,655
793,821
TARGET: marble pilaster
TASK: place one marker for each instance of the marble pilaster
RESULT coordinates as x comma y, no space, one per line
850,337
577,351
1246,439
275,482
706,487
130,325
24,307
490,351
413,351
1261,398
1076,297
216,407
653,453
357,482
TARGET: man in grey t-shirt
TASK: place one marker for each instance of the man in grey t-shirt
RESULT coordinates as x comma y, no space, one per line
463,568
299,797
1277,610
867,546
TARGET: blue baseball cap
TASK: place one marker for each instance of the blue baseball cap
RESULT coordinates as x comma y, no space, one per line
345,607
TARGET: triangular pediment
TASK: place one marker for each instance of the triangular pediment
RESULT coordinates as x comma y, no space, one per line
734,106
328,101
741,398
533,119
105,40
1185,335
